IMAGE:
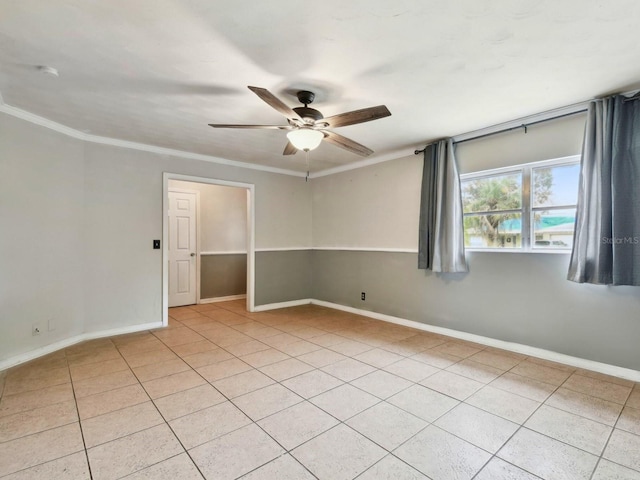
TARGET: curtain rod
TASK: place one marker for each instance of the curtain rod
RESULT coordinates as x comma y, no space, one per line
524,125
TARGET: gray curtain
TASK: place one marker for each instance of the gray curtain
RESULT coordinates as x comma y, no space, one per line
606,246
441,240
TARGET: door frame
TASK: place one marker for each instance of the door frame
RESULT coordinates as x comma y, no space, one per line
251,222
197,194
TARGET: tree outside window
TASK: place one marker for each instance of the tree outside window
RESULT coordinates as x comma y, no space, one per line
529,207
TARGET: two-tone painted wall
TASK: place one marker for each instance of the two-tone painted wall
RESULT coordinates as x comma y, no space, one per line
283,272
365,240
78,219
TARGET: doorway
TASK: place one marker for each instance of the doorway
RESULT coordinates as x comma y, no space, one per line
182,195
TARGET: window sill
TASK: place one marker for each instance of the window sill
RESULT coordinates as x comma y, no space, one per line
517,250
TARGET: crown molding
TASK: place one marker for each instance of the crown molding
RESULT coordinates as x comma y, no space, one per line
505,126
72,132
42,122
395,155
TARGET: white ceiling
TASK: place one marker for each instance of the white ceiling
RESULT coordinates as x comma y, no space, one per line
158,71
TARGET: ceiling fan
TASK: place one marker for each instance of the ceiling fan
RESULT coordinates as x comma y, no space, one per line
307,126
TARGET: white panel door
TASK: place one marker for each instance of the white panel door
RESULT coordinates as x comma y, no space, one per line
182,248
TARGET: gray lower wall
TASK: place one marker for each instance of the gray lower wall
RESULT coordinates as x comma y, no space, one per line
282,276
223,275
538,307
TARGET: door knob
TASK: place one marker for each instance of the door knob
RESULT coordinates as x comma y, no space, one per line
193,254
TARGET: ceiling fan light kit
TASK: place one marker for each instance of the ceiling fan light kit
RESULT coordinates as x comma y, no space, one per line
307,127
305,138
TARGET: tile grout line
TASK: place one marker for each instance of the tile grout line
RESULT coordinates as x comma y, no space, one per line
379,369
53,428
167,424
613,429
340,422
381,401
230,400
84,443
316,322
520,426
343,422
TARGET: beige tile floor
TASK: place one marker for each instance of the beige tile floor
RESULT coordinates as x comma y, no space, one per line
309,392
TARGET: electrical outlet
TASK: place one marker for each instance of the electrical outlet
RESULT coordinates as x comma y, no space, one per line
363,296
36,329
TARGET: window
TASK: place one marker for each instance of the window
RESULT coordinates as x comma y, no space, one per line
530,207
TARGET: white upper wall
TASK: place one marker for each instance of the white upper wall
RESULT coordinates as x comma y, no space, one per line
378,206
371,207
41,244
223,216
552,139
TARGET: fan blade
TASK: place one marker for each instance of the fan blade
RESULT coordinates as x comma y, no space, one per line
289,149
275,102
272,127
347,144
357,116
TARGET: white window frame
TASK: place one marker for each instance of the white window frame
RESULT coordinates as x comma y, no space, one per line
527,210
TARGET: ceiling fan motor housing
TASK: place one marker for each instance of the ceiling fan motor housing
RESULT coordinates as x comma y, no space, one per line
308,113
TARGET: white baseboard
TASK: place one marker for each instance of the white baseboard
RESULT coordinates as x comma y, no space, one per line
222,299
230,252
605,368
121,331
274,306
626,373
47,349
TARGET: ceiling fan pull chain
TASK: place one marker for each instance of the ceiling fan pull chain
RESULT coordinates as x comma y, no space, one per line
307,157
